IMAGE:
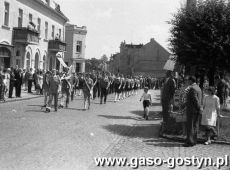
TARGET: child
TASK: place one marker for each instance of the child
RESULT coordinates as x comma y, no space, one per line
147,100
210,113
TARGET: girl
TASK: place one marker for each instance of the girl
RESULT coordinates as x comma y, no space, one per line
147,100
211,110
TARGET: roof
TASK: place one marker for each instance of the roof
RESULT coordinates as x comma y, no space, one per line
56,10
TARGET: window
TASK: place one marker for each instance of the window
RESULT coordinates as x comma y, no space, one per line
20,17
78,48
60,34
46,30
39,25
30,18
7,12
18,62
52,35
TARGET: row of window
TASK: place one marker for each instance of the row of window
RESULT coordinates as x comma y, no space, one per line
20,21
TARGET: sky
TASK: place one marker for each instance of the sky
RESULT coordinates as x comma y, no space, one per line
110,22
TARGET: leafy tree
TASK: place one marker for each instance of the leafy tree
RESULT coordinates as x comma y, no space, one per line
104,58
200,36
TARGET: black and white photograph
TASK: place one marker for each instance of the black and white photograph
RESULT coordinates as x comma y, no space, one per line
114,84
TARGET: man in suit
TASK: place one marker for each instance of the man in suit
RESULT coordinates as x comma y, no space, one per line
18,82
193,111
12,82
54,82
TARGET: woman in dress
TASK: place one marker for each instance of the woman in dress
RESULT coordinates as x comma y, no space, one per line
211,109
87,90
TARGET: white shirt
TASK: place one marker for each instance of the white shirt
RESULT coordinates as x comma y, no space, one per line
146,96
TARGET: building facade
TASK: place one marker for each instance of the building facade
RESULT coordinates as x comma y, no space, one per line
75,39
148,59
32,33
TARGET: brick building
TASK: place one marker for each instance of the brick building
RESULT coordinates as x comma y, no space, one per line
148,59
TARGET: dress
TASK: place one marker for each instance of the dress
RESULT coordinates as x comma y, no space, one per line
209,115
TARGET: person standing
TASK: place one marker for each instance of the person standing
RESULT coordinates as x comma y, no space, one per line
211,109
30,80
12,82
54,83
65,91
167,95
147,100
193,110
87,90
221,89
18,82
94,78
117,86
104,84
45,87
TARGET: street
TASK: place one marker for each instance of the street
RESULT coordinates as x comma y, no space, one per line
71,138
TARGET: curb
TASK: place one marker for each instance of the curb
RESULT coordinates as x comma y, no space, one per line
20,99
178,139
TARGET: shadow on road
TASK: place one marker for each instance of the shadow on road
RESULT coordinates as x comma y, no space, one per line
145,131
153,115
121,117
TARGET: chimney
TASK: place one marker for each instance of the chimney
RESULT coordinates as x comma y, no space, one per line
191,4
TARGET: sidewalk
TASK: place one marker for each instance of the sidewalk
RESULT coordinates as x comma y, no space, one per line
24,96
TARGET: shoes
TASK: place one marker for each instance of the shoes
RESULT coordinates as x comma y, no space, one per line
146,117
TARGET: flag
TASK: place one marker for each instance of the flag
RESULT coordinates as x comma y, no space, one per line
70,70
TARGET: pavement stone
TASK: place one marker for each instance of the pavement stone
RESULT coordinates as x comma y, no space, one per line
71,138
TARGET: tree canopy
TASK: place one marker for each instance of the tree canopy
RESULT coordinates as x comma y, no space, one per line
200,36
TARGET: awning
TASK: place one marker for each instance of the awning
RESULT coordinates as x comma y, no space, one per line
170,64
58,55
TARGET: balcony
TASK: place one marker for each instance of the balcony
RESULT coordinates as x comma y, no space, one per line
57,46
25,35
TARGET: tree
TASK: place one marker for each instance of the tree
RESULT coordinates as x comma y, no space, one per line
200,36
104,58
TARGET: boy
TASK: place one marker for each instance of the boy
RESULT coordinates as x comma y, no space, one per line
147,100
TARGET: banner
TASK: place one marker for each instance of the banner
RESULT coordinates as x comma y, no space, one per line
59,57
170,64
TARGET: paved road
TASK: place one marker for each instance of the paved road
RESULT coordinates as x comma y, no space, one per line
70,138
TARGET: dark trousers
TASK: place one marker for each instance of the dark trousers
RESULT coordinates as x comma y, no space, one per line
104,93
18,90
165,110
30,82
98,91
95,92
11,89
192,128
55,97
72,95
